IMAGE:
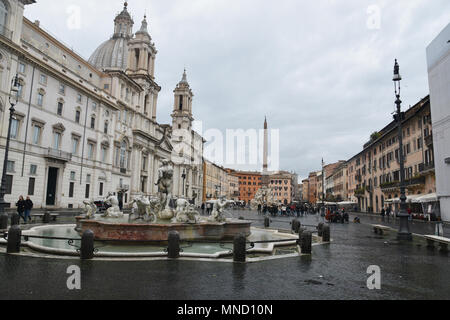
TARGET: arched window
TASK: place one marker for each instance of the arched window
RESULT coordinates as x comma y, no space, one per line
3,15
123,155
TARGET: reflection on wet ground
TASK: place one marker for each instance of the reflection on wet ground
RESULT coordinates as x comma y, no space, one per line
334,271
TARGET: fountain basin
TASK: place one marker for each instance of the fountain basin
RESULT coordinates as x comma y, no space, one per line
122,230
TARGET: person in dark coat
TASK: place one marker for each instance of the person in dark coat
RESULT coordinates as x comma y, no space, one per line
28,206
21,207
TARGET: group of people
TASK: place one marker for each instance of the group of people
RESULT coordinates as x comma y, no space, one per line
283,210
24,208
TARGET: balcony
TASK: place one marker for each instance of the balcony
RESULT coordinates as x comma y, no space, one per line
5,32
429,140
58,155
411,183
426,167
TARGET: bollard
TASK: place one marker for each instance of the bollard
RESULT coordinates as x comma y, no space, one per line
326,233
306,242
174,245
320,229
266,222
296,225
14,239
239,248
15,219
47,217
300,231
241,218
87,245
4,222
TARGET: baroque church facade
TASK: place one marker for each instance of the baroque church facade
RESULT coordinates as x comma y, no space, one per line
82,129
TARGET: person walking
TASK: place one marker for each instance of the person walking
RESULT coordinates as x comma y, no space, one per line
28,208
21,207
383,213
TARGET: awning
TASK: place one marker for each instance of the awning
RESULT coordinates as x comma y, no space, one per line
347,203
409,199
432,197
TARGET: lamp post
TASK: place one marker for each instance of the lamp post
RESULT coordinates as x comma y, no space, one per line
404,232
184,180
13,99
323,186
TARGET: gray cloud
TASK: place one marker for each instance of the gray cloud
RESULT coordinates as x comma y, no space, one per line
314,68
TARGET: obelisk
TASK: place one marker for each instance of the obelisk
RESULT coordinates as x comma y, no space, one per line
265,173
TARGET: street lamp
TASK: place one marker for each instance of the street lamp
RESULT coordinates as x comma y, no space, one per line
184,179
13,99
404,232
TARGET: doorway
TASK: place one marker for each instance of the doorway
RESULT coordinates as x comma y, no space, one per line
51,186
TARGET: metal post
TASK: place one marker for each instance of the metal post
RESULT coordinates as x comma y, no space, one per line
404,231
14,239
306,242
239,248
174,245
326,233
87,245
320,229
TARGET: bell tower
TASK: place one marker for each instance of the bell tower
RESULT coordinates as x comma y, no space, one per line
182,110
142,53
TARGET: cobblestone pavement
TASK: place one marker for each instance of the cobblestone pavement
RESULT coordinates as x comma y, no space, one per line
334,271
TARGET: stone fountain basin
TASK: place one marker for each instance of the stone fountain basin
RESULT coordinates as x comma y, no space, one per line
123,230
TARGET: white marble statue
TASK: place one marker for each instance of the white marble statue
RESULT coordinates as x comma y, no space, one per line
164,183
89,209
263,196
185,212
142,210
114,210
218,209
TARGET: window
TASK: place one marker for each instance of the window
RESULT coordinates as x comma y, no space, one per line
43,79
100,192
93,123
90,151
94,106
79,97
60,108
123,155
62,88
71,189
75,144
21,67
36,135
144,163
87,191
14,133
33,169
106,87
56,140
20,89
10,167
31,184
88,178
9,180
104,153
105,129
40,99
72,175
77,116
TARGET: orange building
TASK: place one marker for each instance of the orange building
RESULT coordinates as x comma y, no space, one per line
249,184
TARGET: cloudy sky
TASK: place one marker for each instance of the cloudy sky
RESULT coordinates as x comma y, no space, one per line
320,70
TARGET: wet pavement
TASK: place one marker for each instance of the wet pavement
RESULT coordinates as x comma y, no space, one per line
334,271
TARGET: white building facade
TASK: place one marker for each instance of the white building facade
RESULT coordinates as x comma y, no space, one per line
82,128
438,56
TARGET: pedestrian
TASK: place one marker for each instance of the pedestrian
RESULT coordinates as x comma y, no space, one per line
203,209
28,208
21,207
383,213
259,209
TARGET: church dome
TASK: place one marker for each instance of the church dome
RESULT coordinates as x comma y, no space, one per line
113,53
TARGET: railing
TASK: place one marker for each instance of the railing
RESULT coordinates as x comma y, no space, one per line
426,166
429,140
58,154
5,32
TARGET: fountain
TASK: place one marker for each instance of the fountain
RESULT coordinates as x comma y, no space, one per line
144,233
153,219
